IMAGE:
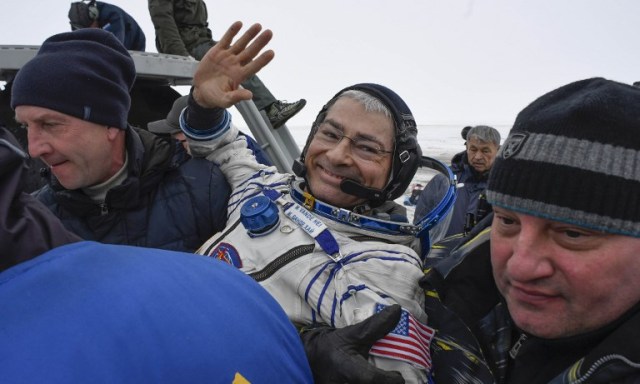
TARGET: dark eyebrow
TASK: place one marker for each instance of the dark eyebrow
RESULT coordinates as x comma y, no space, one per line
339,126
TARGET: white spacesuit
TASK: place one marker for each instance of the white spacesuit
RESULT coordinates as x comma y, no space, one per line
323,264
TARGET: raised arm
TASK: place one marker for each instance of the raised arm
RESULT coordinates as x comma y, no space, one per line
206,123
216,83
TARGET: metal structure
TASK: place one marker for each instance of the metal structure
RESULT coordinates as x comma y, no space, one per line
173,70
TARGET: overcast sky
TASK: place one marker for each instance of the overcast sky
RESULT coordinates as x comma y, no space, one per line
453,61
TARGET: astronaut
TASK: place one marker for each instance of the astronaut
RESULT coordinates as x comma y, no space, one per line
330,245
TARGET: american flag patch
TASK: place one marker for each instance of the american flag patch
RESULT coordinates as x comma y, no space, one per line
409,341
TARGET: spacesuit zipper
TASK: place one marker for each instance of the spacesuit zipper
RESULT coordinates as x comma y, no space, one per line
281,261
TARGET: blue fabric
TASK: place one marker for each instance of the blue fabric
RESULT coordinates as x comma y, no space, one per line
115,20
170,200
261,156
95,313
468,195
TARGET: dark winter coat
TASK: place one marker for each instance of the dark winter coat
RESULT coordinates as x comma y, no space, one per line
169,201
27,228
475,333
115,20
468,195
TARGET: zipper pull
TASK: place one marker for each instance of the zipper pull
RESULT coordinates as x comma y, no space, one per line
104,209
516,347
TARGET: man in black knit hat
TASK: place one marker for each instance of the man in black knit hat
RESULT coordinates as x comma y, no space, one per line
108,181
554,296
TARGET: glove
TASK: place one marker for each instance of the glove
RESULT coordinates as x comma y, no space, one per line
339,355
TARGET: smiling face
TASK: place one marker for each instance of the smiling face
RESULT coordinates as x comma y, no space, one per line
562,280
79,153
328,165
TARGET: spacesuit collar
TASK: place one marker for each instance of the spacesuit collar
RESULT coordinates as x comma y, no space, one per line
351,217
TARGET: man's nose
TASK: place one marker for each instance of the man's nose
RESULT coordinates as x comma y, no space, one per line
531,258
36,143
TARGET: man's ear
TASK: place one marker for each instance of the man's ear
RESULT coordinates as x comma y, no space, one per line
113,133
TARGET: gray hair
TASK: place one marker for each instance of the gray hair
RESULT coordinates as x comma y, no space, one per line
485,134
370,103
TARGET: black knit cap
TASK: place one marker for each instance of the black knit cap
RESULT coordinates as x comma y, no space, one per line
573,155
86,73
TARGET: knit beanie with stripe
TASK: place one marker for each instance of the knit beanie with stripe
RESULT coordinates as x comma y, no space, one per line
86,73
573,156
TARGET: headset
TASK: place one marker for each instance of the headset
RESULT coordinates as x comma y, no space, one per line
81,15
430,226
93,10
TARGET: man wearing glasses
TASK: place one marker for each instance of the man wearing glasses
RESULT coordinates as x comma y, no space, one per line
331,245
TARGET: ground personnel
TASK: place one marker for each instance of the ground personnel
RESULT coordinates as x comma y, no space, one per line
108,181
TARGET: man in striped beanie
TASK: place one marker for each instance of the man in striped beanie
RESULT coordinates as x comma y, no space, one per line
551,293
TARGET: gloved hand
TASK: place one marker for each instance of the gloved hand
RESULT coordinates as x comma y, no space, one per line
339,355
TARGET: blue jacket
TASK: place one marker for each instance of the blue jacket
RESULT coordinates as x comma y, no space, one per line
98,313
115,20
169,201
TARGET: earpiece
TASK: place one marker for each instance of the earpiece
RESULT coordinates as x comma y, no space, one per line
93,10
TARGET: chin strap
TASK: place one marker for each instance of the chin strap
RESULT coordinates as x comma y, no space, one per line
298,168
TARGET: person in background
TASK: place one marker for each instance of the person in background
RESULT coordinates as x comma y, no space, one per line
129,314
170,126
182,28
97,14
108,181
471,168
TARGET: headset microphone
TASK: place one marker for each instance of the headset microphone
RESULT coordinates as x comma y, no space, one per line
356,189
